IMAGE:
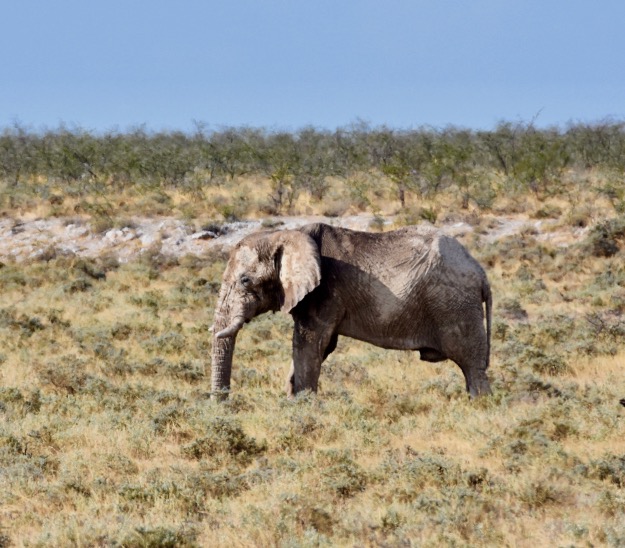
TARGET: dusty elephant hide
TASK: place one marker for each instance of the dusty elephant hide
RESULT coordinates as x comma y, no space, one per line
410,289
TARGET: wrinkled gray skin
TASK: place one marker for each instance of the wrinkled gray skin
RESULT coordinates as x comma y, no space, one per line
411,289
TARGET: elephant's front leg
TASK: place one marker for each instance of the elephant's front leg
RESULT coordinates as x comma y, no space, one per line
310,342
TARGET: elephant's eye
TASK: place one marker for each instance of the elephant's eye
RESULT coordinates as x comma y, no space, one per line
246,281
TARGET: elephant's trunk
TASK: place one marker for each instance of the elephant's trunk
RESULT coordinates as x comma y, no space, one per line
224,338
221,369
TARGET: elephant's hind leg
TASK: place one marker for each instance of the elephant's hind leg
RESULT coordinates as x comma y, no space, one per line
476,379
468,348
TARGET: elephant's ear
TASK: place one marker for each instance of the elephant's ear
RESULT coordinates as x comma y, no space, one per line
298,265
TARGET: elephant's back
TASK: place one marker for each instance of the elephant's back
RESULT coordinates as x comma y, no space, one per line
400,259
439,267
456,258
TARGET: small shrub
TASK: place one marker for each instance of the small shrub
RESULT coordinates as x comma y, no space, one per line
340,474
167,418
91,269
413,473
358,193
231,210
528,229
391,521
297,431
121,331
171,342
548,211
539,494
102,224
345,479
538,386
428,214
612,504
606,326
338,207
377,223
317,518
512,309
221,485
77,286
483,193
610,467
606,238
66,376
26,325
343,371
251,377
225,437
121,464
545,363
14,401
161,537
306,515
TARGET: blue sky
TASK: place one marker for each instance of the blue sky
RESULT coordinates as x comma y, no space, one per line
287,64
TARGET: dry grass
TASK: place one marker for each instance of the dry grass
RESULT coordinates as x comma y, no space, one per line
108,437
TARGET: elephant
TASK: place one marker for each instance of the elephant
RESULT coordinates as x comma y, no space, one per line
414,288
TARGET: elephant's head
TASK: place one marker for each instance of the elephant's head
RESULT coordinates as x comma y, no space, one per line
265,271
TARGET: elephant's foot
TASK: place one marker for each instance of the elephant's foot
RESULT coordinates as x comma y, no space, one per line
479,387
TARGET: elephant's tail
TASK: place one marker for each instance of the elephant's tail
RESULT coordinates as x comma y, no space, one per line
487,298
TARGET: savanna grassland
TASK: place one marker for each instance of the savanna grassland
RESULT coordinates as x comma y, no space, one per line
108,435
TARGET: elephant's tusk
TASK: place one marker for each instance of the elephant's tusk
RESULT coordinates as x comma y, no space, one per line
231,330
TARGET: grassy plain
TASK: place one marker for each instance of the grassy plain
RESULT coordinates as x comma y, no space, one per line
108,436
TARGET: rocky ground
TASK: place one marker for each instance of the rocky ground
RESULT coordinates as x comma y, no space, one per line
25,239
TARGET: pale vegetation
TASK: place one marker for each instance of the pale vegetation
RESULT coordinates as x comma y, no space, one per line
107,433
